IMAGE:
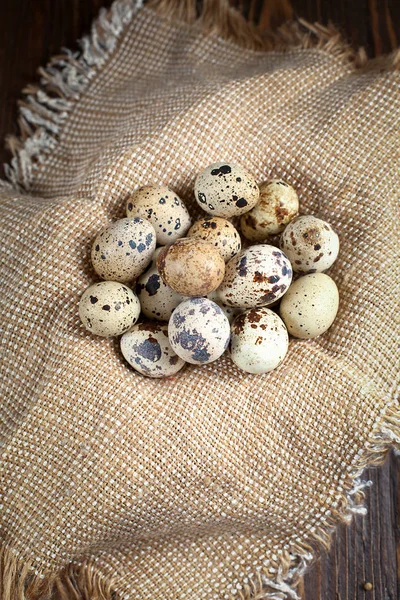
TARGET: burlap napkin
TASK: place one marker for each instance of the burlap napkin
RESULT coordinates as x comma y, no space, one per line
217,484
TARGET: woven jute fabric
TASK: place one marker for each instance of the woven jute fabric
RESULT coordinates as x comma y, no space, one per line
214,484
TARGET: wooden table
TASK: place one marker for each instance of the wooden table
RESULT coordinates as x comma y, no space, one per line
33,30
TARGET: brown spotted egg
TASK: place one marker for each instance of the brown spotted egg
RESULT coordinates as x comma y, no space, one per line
277,206
257,276
147,349
124,249
310,305
163,208
226,189
259,341
198,331
157,299
108,308
191,267
218,232
310,243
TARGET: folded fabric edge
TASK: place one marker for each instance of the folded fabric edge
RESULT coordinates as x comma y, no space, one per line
44,108
84,580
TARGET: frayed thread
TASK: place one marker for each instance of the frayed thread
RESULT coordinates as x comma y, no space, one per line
45,108
18,581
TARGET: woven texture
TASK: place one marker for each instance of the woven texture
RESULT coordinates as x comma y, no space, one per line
216,483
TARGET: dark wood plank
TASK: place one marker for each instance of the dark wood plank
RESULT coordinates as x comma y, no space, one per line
31,31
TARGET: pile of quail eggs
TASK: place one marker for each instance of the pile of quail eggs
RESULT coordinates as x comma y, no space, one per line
204,289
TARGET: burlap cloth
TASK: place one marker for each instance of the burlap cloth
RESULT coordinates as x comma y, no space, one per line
216,484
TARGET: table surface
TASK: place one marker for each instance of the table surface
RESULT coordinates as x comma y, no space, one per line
31,31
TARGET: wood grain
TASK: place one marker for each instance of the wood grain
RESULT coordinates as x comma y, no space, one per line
31,31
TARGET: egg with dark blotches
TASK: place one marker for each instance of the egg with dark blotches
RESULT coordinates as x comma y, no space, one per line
163,208
225,189
310,305
257,276
310,243
147,349
108,308
220,233
191,267
277,206
259,341
157,299
198,331
124,249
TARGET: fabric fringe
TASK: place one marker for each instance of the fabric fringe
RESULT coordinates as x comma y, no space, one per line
45,108
83,582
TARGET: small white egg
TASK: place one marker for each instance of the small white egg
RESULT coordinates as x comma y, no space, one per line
259,341
147,349
163,208
198,331
277,206
124,249
310,305
218,232
310,244
157,299
108,308
226,189
257,276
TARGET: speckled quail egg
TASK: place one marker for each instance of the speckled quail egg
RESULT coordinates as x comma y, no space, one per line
259,340
157,299
257,276
191,267
198,331
226,189
310,305
310,243
163,208
229,311
219,232
277,206
124,249
108,308
147,349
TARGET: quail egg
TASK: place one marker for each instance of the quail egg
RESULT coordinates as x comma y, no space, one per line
219,232
147,349
277,206
226,189
198,331
124,249
310,305
157,299
163,208
257,276
108,308
191,267
310,244
259,340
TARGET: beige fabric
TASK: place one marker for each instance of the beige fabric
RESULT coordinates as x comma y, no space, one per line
215,483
